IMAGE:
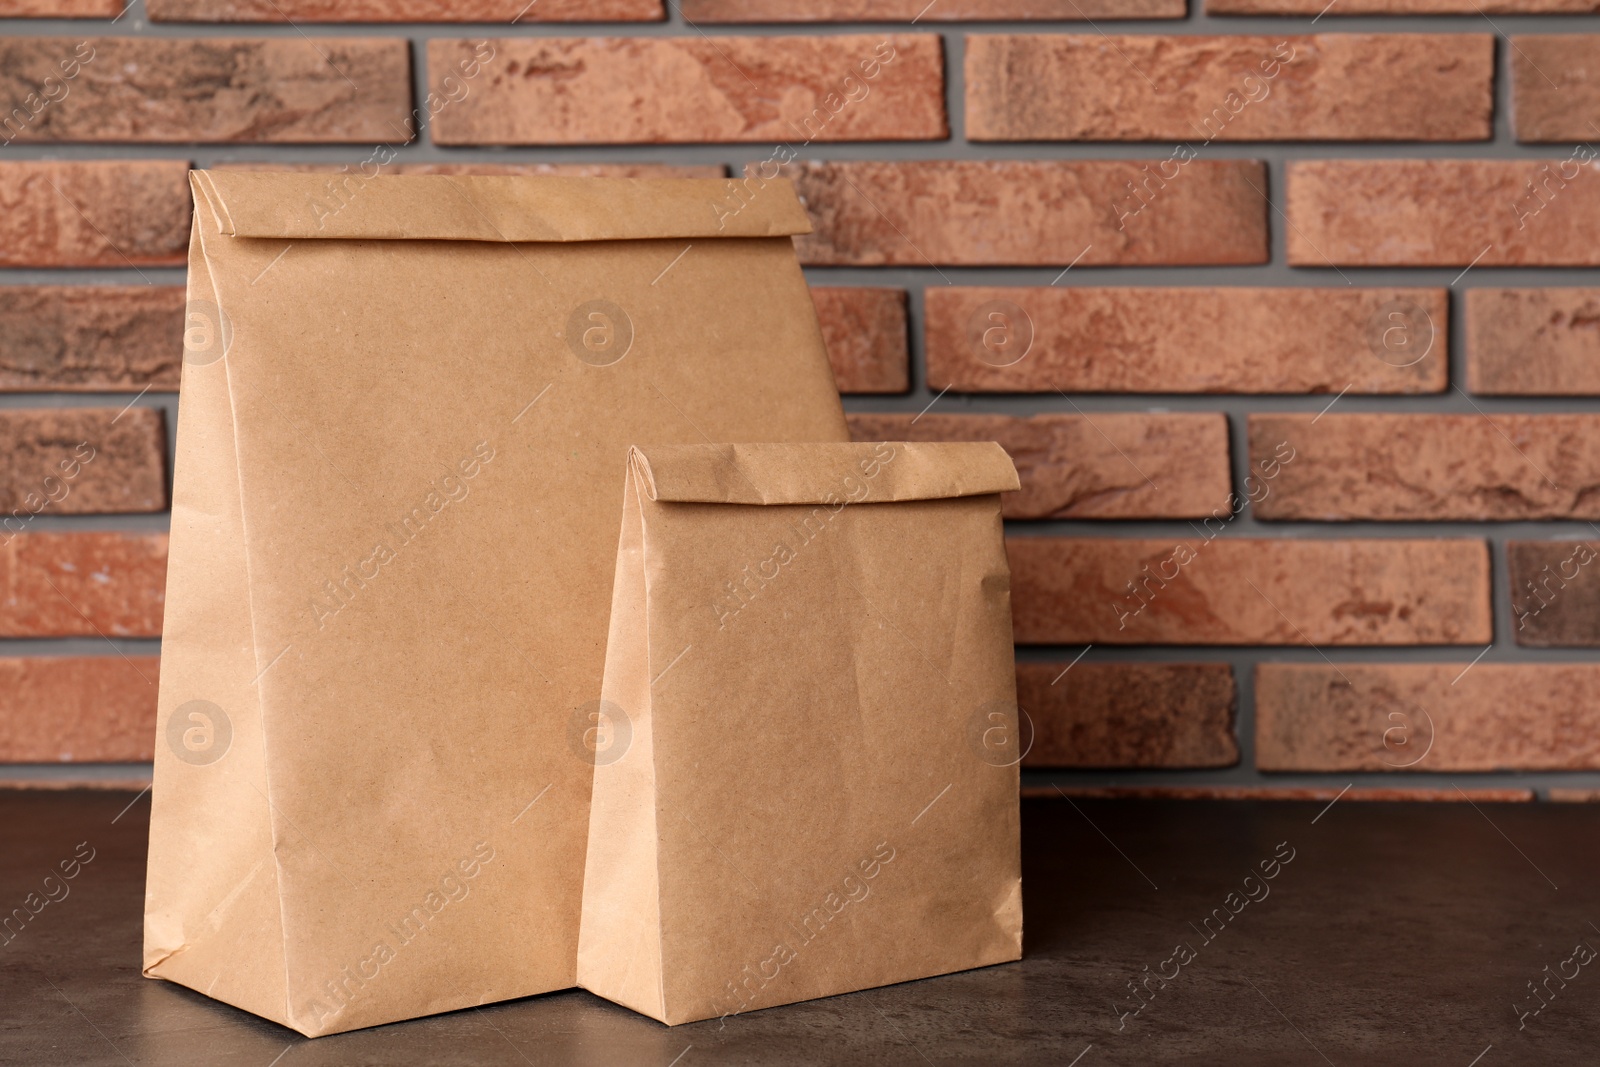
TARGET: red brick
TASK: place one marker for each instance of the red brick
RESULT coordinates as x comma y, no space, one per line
564,170
132,784
1438,468
1555,87
94,214
1555,593
922,11
405,10
1170,340
679,90
1401,7
1239,591
60,9
865,331
1376,717
1106,466
1321,794
81,709
82,461
1533,342
214,89
1562,795
1031,213
1444,213
90,338
1197,89
82,584
1129,714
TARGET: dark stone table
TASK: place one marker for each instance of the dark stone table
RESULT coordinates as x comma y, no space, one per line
1391,934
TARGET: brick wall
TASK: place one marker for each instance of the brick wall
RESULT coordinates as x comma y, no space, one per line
1280,307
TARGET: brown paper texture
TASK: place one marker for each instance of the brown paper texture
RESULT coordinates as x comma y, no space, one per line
807,772
406,408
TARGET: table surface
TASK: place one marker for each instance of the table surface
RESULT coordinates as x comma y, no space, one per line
1398,933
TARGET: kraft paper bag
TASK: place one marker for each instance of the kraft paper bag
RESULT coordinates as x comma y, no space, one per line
406,408
806,780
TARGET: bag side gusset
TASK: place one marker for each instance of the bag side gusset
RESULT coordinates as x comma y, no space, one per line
212,918
619,941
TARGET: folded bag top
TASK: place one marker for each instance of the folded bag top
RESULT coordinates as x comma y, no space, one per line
407,408
490,208
812,473
806,745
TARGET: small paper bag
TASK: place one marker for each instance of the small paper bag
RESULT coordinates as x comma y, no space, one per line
806,772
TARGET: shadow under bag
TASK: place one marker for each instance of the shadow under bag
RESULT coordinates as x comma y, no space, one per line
406,407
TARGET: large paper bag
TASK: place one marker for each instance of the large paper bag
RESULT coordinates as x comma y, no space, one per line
808,773
405,412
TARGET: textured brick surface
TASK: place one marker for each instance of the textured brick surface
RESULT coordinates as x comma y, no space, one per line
1104,466
1445,213
1032,213
1401,7
1170,340
1555,87
60,9
211,89
1196,89
82,584
79,709
1240,591
1370,717
865,331
1533,342
922,11
564,170
785,91
94,214
82,461
1320,794
1129,714
1492,467
404,10
1555,593
636,90
90,338
131,782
